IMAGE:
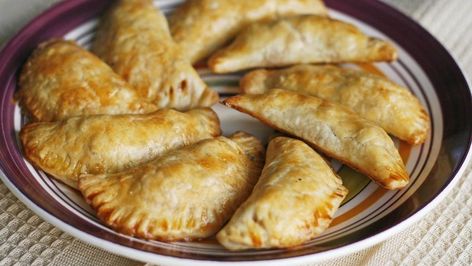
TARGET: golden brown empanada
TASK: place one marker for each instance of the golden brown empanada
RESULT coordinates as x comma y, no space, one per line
134,39
294,200
183,195
296,40
61,80
332,129
371,96
202,26
108,144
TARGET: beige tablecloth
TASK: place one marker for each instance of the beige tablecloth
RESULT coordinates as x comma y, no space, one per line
443,237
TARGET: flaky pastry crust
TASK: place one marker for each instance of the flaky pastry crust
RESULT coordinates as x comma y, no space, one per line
61,79
202,26
134,39
185,194
373,97
294,200
108,144
298,40
330,128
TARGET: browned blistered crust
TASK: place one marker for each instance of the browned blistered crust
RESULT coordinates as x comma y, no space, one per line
108,144
298,40
185,194
294,200
200,27
61,79
331,129
373,97
134,39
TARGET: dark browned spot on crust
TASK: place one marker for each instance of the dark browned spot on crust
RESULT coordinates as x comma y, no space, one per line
184,85
163,225
256,240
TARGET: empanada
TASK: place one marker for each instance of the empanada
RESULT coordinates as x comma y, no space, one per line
294,200
61,80
371,96
296,40
202,26
332,129
108,144
134,39
185,194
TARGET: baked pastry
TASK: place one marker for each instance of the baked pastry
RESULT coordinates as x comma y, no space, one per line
294,200
61,80
134,39
202,26
331,128
108,144
296,40
373,97
185,194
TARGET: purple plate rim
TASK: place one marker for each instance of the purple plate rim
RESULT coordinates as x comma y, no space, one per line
30,35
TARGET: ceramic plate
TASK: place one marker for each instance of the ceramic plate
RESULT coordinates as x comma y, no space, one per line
368,215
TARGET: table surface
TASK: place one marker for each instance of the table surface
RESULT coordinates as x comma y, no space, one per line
443,237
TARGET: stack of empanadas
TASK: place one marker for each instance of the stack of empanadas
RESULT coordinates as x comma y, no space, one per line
138,140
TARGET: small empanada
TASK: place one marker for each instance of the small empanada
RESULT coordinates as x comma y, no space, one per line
202,26
371,96
296,40
134,39
332,129
108,144
294,200
185,194
61,80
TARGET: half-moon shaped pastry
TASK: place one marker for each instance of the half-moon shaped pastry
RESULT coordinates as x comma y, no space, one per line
202,26
331,128
373,97
108,144
185,194
296,40
61,80
134,39
294,200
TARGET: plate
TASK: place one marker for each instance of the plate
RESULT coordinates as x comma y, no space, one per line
369,214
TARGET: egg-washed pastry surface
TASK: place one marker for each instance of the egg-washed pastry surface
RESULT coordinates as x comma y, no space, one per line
108,144
296,40
331,128
371,96
185,194
294,200
202,26
134,39
61,79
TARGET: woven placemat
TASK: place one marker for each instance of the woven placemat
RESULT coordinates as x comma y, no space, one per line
443,237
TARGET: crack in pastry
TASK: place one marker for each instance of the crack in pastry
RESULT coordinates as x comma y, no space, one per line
134,39
330,128
297,40
108,144
294,200
61,79
202,26
184,194
371,96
